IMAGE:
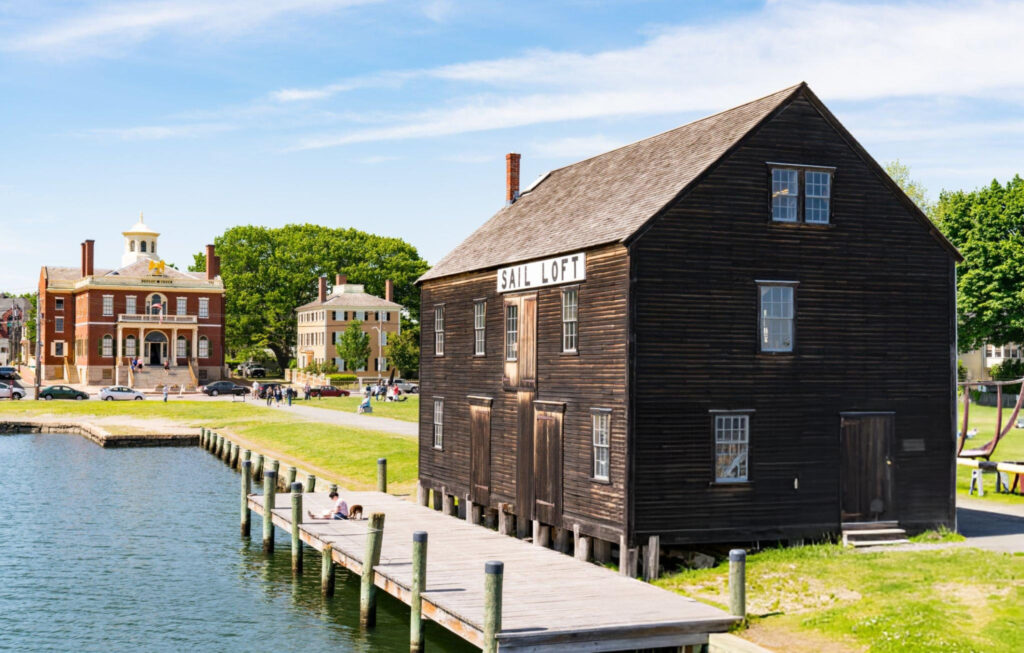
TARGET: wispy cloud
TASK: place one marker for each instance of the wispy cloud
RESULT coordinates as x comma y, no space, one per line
162,132
575,146
104,27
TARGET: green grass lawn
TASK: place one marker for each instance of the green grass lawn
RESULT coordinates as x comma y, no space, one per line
407,411
339,454
1011,447
938,600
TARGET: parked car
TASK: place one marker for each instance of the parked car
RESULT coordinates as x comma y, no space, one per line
328,391
224,388
256,372
7,372
267,387
409,387
10,391
120,393
62,392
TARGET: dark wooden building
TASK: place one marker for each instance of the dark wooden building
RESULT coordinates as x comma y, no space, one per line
737,330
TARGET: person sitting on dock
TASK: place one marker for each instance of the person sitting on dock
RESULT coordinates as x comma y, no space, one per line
338,511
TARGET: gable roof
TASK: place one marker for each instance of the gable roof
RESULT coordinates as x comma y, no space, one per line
352,299
609,197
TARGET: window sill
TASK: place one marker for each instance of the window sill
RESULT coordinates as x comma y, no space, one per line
735,484
436,448
796,225
600,481
574,352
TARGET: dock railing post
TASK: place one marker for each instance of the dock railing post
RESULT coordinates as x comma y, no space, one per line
493,574
333,488
269,492
382,475
275,466
371,558
310,483
422,494
296,520
327,570
246,491
419,583
738,583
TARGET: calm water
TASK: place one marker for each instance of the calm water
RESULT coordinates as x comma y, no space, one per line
96,556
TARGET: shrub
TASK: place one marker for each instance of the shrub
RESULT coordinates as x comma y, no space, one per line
293,364
1008,370
342,379
328,367
961,371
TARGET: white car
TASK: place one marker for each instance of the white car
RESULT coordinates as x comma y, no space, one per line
8,391
120,393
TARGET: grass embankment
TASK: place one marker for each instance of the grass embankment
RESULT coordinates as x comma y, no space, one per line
347,456
1010,448
825,597
406,411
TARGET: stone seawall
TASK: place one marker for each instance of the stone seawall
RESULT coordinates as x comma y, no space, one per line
160,437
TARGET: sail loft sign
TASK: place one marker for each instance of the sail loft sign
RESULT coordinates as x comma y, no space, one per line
570,268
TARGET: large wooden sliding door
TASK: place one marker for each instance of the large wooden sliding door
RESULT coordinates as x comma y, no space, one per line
866,467
547,462
480,450
521,377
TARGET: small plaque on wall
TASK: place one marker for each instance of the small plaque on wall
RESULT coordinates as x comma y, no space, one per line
913,444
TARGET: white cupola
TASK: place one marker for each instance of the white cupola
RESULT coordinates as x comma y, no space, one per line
139,244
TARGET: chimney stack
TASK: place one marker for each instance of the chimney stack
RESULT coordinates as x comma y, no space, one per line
340,279
212,263
321,292
87,258
511,177
389,290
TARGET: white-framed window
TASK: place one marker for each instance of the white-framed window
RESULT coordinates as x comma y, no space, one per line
182,306
58,304
108,304
439,330
58,347
601,420
108,346
383,338
359,315
818,184
58,324
181,350
776,317
204,307
438,423
511,332
570,316
129,305
383,363
130,348
204,347
156,304
340,363
785,194
732,446
480,328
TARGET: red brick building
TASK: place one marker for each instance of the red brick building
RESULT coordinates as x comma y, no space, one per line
94,321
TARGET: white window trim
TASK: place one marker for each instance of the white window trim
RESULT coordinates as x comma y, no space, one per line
439,318
761,286
108,299
58,303
597,416
107,346
131,306
181,306
133,349
204,347
743,418
575,322
58,324
204,307
181,347
480,328
438,420
53,348
511,346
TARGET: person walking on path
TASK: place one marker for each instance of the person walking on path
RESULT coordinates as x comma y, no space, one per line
277,396
306,391
270,396
165,393
291,393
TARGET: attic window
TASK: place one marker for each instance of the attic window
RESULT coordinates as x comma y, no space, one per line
786,183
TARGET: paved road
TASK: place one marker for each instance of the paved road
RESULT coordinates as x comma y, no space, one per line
343,418
990,525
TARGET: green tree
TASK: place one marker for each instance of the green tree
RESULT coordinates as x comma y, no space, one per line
403,351
30,318
987,226
900,173
269,272
354,346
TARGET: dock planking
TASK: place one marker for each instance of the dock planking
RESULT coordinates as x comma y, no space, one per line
550,600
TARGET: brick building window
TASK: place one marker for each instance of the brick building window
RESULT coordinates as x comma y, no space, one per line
108,346
129,305
58,324
204,347
58,304
130,346
204,307
108,304
182,306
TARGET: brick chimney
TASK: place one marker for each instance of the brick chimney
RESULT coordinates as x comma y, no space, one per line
340,279
88,247
321,292
212,263
389,290
511,177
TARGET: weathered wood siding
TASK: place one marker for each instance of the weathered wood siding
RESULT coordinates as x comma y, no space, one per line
593,378
874,330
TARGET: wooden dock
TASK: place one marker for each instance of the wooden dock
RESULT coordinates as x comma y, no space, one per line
551,602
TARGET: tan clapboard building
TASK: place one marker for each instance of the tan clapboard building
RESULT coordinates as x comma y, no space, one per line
321,324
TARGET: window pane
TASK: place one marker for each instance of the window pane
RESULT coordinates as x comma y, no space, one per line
570,313
776,318
479,326
785,195
818,191
731,447
511,332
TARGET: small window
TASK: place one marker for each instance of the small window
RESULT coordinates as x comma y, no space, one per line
439,330
108,346
785,194
58,348
129,346
570,313
58,304
786,204
480,328
990,351
58,325
108,304
204,347
182,305
731,448
129,304
182,347
776,318
819,186
131,245
143,250
438,423
204,307
601,427
511,332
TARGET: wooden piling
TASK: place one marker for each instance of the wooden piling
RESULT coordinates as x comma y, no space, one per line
472,512
275,465
493,575
627,558
419,583
438,499
246,491
327,570
333,488
202,437
422,494
310,483
562,540
652,558
257,468
269,492
448,501
367,589
296,521
292,473
541,534
491,518
236,454
505,526
246,455
602,550
738,583
382,475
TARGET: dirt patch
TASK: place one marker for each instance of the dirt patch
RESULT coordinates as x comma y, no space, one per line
779,638
778,592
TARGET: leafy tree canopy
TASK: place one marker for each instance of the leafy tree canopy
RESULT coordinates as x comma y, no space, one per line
354,346
900,173
987,226
403,350
269,272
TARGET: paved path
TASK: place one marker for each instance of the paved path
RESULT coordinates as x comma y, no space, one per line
991,525
354,420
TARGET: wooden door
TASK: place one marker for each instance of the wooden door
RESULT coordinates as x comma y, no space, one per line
866,467
547,467
480,451
528,343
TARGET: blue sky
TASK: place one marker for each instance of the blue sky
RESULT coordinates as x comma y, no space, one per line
394,116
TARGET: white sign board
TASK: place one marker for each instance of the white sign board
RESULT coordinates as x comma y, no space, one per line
570,268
